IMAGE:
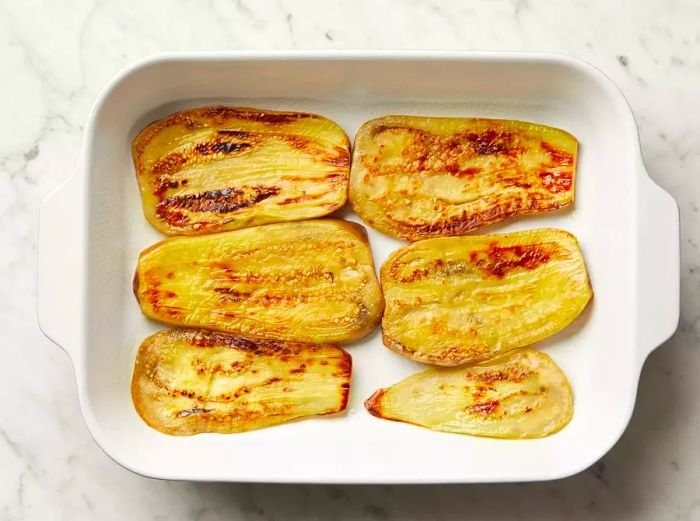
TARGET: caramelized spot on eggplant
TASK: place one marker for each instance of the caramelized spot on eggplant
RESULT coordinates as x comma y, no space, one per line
274,118
189,412
499,261
556,181
220,147
294,200
240,134
559,156
168,164
469,171
485,409
135,284
507,374
374,403
492,142
227,200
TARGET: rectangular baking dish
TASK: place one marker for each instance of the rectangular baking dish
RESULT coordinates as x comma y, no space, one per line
92,229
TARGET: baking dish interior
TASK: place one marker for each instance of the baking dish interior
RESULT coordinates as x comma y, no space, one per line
597,351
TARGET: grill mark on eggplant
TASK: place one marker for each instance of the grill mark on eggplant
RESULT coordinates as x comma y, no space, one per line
339,158
501,260
556,181
485,409
288,248
188,412
164,184
558,156
240,134
233,295
220,147
496,261
208,339
272,118
492,142
227,200
300,199
515,373
469,221
294,279
175,161
432,153
169,164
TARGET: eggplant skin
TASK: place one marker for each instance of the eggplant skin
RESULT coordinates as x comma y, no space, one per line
421,177
221,168
190,381
456,300
520,394
306,281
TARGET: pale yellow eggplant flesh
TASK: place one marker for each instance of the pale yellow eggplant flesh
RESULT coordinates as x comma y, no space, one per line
457,300
419,177
307,281
190,381
521,394
220,168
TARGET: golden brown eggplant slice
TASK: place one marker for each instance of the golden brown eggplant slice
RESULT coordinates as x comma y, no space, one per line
188,381
454,300
420,177
308,281
521,394
223,168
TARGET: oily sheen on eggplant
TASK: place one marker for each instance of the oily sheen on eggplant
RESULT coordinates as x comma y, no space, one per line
307,281
221,168
520,394
189,381
420,177
456,300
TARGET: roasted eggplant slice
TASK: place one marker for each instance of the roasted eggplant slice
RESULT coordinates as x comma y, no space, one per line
223,168
454,300
308,281
521,394
188,381
419,177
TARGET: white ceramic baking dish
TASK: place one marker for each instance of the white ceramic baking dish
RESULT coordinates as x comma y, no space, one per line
92,229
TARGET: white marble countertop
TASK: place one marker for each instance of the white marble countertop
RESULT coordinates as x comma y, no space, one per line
54,59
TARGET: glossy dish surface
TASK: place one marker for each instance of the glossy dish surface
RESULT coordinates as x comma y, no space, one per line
190,381
419,177
520,394
223,168
455,300
306,281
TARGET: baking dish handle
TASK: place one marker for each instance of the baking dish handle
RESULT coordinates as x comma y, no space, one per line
658,262
60,264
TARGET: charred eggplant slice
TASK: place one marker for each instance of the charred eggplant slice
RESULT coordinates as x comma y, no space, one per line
223,168
420,177
454,300
521,394
308,281
189,381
